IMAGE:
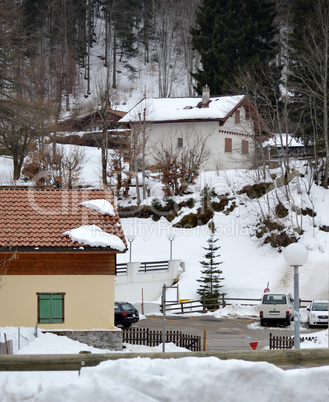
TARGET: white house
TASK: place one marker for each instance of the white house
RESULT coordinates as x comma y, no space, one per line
228,125
286,144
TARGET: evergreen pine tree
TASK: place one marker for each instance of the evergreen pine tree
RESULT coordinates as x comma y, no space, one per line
210,281
231,35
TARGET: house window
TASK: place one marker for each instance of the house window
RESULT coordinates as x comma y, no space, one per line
237,117
180,142
50,307
228,144
245,147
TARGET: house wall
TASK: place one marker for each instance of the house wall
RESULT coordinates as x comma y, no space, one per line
163,134
86,278
88,301
61,263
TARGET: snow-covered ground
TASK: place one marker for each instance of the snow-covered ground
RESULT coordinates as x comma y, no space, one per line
247,268
144,379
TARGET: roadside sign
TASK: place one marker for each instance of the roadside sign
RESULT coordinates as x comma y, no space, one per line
253,345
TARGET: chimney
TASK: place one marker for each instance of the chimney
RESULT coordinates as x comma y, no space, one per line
205,96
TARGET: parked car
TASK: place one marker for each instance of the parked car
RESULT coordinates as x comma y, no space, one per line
276,308
317,313
125,314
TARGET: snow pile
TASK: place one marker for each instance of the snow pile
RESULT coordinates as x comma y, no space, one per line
101,206
183,379
190,379
236,310
175,379
94,236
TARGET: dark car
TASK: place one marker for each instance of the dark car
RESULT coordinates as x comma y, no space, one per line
125,314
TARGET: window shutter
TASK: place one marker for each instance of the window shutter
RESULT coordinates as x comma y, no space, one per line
245,147
57,308
228,144
237,117
50,307
44,308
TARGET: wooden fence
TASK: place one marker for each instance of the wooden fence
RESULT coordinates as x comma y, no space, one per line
201,306
286,342
148,337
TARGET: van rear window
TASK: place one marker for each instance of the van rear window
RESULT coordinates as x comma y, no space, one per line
274,299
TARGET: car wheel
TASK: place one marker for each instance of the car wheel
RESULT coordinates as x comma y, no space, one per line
288,322
262,322
126,325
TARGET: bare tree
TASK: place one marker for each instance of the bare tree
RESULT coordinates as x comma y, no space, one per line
186,17
181,166
310,74
60,171
166,46
22,124
4,264
268,111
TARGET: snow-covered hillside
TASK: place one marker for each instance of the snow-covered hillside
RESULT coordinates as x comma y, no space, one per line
248,264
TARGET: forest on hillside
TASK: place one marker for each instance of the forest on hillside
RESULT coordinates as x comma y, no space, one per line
274,51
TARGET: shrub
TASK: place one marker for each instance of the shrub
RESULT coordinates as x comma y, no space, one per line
281,211
256,190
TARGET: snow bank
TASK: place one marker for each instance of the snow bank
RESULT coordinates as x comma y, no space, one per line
94,236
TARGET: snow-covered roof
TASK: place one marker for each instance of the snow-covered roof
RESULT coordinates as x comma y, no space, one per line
94,236
101,206
52,219
169,109
284,140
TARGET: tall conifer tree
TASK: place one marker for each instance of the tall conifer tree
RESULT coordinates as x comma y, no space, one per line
210,281
231,35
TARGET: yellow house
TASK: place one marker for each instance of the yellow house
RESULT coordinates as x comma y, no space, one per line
58,259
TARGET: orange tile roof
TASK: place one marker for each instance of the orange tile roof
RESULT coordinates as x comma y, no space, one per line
31,218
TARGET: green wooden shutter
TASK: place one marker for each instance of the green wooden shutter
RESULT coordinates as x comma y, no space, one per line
56,313
51,308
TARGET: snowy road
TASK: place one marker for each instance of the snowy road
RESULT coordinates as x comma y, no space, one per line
224,333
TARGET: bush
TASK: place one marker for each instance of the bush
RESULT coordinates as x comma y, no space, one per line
256,190
193,220
281,211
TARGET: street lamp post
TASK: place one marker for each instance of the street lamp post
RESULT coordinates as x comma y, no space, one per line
171,237
296,255
130,238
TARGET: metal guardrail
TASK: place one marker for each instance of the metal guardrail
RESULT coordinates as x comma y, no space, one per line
153,266
121,269
145,267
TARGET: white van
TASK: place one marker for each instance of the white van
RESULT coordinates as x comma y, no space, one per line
276,307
